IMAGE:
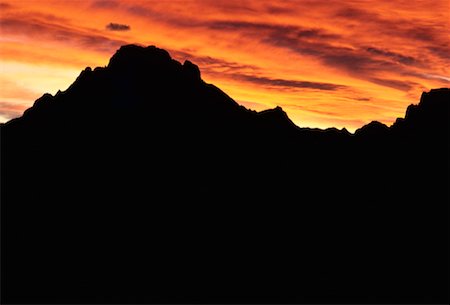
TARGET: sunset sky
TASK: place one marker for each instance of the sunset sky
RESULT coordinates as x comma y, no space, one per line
326,63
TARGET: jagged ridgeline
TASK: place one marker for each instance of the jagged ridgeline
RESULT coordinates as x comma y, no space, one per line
143,183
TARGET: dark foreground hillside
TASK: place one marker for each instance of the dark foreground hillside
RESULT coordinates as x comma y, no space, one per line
141,183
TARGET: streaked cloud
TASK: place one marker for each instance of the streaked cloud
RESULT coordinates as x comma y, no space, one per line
38,30
10,110
407,60
286,83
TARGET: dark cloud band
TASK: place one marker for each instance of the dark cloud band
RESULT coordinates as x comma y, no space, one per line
117,27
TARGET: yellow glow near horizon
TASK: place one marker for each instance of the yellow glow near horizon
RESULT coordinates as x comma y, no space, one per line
328,64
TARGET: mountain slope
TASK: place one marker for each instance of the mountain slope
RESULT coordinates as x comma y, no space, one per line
141,183
145,84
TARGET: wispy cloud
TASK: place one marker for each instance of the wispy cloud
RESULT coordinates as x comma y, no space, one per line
46,31
11,89
287,83
439,77
407,60
10,110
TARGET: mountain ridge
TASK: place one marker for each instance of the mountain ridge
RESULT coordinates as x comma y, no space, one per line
142,184
136,57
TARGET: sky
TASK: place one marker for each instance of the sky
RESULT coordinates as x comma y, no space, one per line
326,63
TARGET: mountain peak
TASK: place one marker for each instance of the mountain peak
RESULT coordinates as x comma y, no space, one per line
374,128
135,55
276,112
191,70
431,113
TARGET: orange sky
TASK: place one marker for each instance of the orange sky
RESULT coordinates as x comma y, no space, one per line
327,63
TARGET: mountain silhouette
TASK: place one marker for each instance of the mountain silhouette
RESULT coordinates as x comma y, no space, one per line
141,183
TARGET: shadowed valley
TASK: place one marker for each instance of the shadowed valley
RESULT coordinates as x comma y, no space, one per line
142,183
